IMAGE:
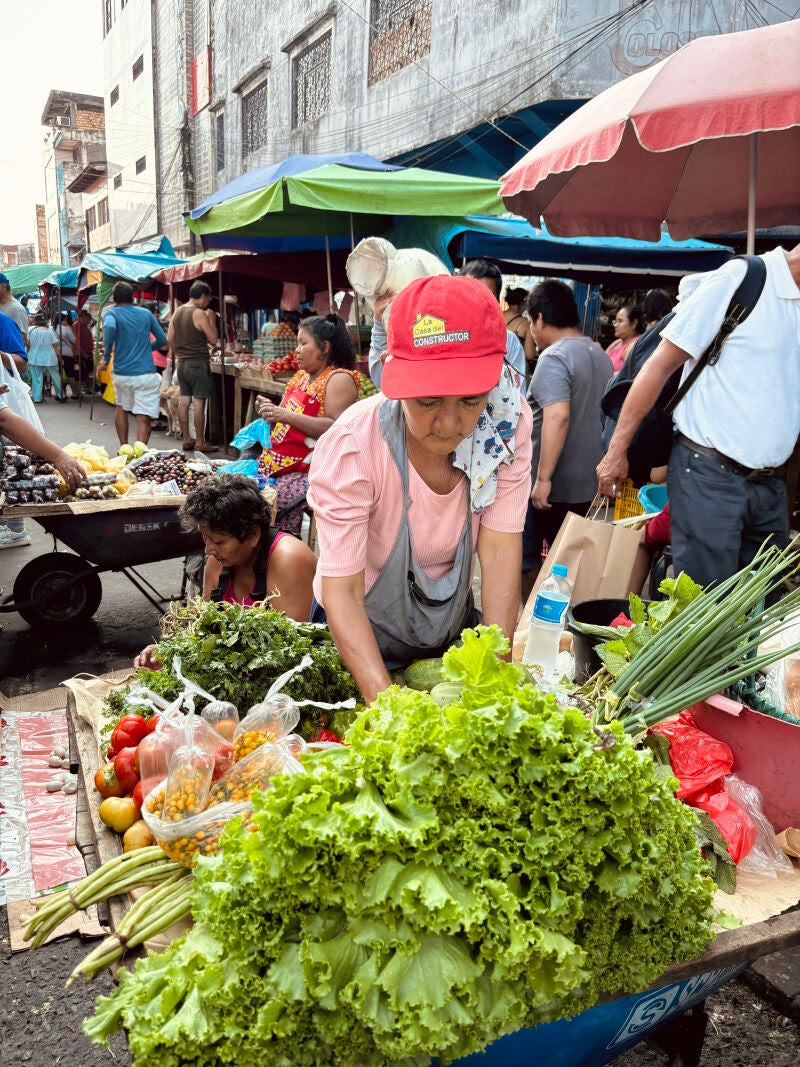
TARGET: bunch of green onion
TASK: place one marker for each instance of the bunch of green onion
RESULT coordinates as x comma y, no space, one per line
709,646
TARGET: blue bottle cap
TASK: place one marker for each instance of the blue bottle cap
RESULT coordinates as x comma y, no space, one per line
560,570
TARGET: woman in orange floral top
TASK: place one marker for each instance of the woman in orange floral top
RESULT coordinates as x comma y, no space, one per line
319,392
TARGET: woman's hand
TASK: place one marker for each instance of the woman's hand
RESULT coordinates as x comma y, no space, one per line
71,471
269,411
147,661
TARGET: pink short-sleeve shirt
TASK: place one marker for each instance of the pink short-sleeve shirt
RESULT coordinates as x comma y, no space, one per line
356,493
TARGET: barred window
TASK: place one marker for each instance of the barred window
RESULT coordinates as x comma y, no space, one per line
254,119
117,181
141,164
399,34
91,224
108,11
113,96
219,141
102,212
138,67
311,81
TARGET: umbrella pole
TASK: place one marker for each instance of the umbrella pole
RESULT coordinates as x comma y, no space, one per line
751,195
330,277
355,294
60,344
223,332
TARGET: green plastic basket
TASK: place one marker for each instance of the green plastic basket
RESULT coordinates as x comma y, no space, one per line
745,692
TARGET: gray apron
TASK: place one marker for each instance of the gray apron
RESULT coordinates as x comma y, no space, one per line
414,616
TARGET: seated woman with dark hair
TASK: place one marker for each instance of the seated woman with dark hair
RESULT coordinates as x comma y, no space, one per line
247,559
325,385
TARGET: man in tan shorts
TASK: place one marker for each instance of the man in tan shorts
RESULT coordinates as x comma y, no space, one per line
192,329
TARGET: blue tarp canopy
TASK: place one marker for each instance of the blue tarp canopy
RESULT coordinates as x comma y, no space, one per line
519,248
136,263
63,279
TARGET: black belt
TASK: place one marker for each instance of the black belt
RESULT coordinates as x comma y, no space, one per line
750,473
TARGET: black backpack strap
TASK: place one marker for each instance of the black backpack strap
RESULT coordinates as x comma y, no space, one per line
742,303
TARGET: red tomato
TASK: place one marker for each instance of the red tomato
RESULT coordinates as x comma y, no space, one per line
152,723
138,795
128,732
106,782
125,768
327,735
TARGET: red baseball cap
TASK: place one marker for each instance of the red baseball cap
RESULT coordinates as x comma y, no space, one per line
445,337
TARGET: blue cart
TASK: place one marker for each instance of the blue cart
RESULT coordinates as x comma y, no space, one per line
602,1033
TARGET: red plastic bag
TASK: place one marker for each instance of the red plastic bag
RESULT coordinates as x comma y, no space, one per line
699,761
732,821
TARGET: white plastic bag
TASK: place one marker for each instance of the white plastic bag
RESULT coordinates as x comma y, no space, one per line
19,395
765,857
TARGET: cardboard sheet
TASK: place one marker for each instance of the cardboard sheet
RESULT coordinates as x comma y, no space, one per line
758,897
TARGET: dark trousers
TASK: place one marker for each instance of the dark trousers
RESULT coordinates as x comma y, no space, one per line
719,519
543,526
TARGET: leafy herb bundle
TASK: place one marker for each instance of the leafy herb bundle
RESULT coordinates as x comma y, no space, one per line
236,653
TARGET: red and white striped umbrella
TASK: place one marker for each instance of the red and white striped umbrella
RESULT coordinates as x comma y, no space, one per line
701,141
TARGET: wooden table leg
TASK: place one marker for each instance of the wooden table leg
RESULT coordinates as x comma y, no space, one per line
237,406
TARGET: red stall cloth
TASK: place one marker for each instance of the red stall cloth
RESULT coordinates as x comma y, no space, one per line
50,816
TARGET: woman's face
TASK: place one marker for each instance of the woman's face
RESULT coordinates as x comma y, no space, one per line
229,550
311,356
623,327
440,423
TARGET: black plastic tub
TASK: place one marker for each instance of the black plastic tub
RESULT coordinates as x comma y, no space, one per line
596,613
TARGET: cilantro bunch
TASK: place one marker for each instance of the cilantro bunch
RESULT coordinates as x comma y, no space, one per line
236,653
449,876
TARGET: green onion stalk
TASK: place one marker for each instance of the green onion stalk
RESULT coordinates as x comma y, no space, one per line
155,911
710,645
132,870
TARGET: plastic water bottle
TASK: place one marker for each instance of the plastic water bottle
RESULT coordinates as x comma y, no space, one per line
549,609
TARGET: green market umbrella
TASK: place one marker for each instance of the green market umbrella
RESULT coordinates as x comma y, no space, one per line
306,196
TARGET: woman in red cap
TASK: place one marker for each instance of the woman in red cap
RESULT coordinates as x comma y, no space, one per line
407,486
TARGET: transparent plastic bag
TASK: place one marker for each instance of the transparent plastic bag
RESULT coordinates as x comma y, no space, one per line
229,797
270,720
783,681
765,857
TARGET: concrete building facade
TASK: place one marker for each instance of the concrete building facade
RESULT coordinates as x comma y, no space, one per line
460,85
16,255
74,150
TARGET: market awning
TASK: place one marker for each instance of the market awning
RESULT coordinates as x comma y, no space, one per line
521,249
332,195
28,277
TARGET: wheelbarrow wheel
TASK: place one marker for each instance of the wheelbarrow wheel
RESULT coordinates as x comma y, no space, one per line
41,580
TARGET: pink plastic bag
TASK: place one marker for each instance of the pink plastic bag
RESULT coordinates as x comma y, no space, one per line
699,761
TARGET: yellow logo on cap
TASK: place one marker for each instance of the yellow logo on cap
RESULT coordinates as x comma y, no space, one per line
428,330
427,326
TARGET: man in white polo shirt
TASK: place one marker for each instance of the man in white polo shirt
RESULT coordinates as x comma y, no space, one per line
736,426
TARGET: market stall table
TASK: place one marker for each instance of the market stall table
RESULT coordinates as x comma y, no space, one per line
590,1039
104,535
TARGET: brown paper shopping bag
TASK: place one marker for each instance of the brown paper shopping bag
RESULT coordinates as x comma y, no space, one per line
604,560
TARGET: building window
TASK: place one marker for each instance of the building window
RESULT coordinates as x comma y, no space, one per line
113,96
102,212
254,119
108,8
311,81
91,219
138,67
117,181
219,141
400,34
141,164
